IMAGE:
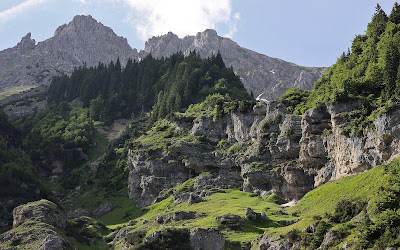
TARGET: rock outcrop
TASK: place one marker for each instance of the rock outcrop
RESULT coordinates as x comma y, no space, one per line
36,226
170,238
42,211
33,235
211,239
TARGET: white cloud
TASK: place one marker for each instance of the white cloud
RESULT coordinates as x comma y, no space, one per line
182,17
157,17
233,25
13,12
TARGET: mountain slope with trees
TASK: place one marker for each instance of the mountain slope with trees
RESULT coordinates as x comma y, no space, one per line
201,164
368,71
160,85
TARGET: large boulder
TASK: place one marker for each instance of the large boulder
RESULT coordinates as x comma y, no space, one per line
104,209
33,235
210,239
43,211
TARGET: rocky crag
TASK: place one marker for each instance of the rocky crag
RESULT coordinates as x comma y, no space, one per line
84,41
36,226
261,149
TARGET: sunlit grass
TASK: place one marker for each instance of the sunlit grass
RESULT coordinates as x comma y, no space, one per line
15,90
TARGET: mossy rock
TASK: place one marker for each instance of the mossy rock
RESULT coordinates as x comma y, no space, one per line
43,211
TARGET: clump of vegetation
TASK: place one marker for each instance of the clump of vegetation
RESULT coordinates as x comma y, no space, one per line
295,100
19,179
260,166
86,230
237,149
216,105
57,128
275,199
345,210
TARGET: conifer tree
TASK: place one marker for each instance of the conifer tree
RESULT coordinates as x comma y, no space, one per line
394,16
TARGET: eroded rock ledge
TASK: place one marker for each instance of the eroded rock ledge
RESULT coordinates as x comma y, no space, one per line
263,150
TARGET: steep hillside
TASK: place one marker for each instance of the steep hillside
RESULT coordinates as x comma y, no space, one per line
367,73
19,179
262,75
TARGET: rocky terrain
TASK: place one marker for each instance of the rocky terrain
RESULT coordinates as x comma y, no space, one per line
84,41
263,150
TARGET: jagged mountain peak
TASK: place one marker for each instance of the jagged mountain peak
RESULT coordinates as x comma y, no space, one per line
26,43
265,76
83,24
82,41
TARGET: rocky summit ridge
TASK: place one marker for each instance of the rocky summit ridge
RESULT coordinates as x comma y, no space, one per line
81,41
267,77
84,41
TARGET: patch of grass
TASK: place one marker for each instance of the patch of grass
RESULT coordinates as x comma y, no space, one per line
237,149
162,136
100,143
125,208
16,90
231,201
324,198
260,166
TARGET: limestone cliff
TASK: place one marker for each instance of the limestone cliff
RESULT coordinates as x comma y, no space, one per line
263,150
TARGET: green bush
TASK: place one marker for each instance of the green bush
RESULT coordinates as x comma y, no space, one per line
345,210
276,199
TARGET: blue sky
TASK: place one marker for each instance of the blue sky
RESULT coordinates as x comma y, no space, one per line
307,32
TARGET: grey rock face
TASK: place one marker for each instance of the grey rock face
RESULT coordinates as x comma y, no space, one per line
269,243
77,213
194,198
265,76
211,239
253,216
104,209
53,242
232,221
278,153
42,211
33,235
81,41
332,236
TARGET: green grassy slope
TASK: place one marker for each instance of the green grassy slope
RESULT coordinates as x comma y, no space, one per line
324,198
